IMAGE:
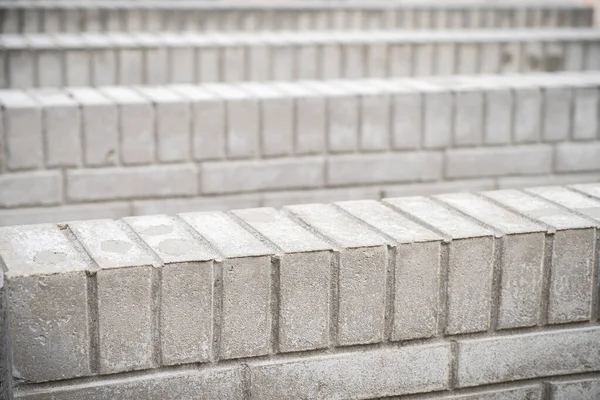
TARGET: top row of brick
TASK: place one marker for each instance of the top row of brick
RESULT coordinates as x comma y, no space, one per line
156,16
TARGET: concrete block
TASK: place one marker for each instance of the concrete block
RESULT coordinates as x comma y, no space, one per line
471,254
511,58
363,262
530,392
498,114
576,201
242,120
480,162
30,188
130,70
307,61
6,364
259,66
574,55
577,157
48,62
416,304
22,120
304,279
468,121
575,389
342,111
233,60
205,384
467,62
423,55
182,56
208,122
543,180
20,66
136,125
261,175
41,263
126,289
186,292
276,119
131,182
400,60
105,62
156,59
382,168
380,373
509,358
522,260
491,57
245,276
77,63
353,60
282,58
374,110
590,189
376,59
100,123
446,59
570,293
309,118
172,115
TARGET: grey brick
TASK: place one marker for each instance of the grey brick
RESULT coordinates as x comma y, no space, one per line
527,114
100,127
172,123
304,279
245,320
590,189
36,215
585,117
437,106
195,204
575,389
479,162
576,157
471,255
260,175
362,272
468,121
383,168
379,373
284,198
425,189
540,180
41,263
136,125
22,119
573,251
521,263
532,392
575,201
217,383
509,358
498,114
417,271
186,288
556,113
125,295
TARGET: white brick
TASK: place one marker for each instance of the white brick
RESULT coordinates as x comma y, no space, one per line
245,320
100,127
523,160
242,120
125,295
172,114
276,119
22,119
62,122
132,182
309,119
30,188
383,168
208,122
186,288
362,272
136,125
378,373
342,111
304,279
260,175
509,358
577,157
37,215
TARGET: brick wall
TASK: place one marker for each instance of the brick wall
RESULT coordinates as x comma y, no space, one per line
80,153
491,295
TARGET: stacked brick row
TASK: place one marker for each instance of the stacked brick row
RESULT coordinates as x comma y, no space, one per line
157,16
460,295
144,150
51,60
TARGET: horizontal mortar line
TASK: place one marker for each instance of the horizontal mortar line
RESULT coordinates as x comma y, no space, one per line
303,355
